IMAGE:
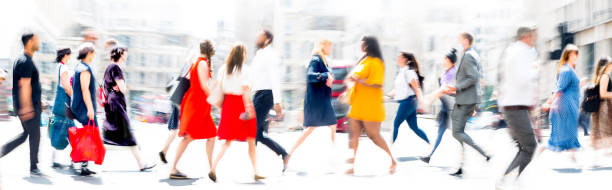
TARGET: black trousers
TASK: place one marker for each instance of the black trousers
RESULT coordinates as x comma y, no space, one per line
30,128
263,101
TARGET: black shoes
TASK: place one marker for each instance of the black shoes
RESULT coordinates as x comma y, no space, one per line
35,172
147,167
488,158
162,157
86,172
425,159
459,173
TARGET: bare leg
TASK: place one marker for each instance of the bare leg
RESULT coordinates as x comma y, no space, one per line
355,127
300,140
180,150
220,155
171,138
251,142
333,133
373,131
136,154
210,146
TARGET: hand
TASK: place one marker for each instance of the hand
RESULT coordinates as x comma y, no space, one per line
279,111
90,114
330,80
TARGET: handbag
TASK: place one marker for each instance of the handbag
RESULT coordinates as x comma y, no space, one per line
180,89
86,144
215,97
591,100
345,97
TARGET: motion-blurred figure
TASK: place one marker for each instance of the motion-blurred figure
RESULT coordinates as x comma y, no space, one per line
447,100
563,105
27,101
518,95
602,119
267,91
467,96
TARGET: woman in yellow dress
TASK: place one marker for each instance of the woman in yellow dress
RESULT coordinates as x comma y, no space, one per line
366,100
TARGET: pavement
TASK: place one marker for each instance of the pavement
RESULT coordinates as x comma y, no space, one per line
317,164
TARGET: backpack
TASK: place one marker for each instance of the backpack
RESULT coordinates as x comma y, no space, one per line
591,100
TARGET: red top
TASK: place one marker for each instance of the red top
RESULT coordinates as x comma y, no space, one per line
196,120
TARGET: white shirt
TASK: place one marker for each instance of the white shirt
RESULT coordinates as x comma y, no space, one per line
64,68
403,89
518,75
265,72
234,83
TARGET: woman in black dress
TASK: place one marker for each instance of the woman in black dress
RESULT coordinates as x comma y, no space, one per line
318,110
117,129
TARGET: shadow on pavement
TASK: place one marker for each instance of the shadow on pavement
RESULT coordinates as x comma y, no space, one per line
179,182
38,180
407,159
601,168
254,183
94,180
568,170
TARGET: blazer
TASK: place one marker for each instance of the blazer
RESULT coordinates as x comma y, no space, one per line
468,79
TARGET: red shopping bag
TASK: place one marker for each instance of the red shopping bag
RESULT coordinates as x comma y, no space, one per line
86,144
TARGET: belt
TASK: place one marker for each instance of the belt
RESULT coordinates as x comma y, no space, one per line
516,108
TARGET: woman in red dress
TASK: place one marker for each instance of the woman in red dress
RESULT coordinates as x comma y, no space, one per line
196,121
237,113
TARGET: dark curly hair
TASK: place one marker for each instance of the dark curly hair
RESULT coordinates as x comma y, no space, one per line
372,48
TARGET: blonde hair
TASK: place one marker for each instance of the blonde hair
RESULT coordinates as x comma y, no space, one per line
570,48
318,48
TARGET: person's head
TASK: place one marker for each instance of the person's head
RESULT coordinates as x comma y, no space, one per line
63,55
450,59
466,39
527,35
569,56
235,58
369,45
30,42
322,48
408,59
86,53
207,49
118,54
264,38
601,68
110,44
90,36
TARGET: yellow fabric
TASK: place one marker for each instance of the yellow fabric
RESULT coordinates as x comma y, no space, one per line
367,102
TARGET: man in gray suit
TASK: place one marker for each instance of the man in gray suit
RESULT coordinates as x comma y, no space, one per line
466,95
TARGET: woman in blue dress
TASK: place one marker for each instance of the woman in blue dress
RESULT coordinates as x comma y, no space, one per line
318,110
563,105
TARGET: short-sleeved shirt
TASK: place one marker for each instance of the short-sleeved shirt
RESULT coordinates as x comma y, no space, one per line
233,83
24,68
63,68
367,102
112,74
402,81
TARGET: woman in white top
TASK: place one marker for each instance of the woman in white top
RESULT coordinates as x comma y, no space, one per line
408,93
237,113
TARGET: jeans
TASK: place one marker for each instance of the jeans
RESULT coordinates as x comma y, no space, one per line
407,111
584,121
443,119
